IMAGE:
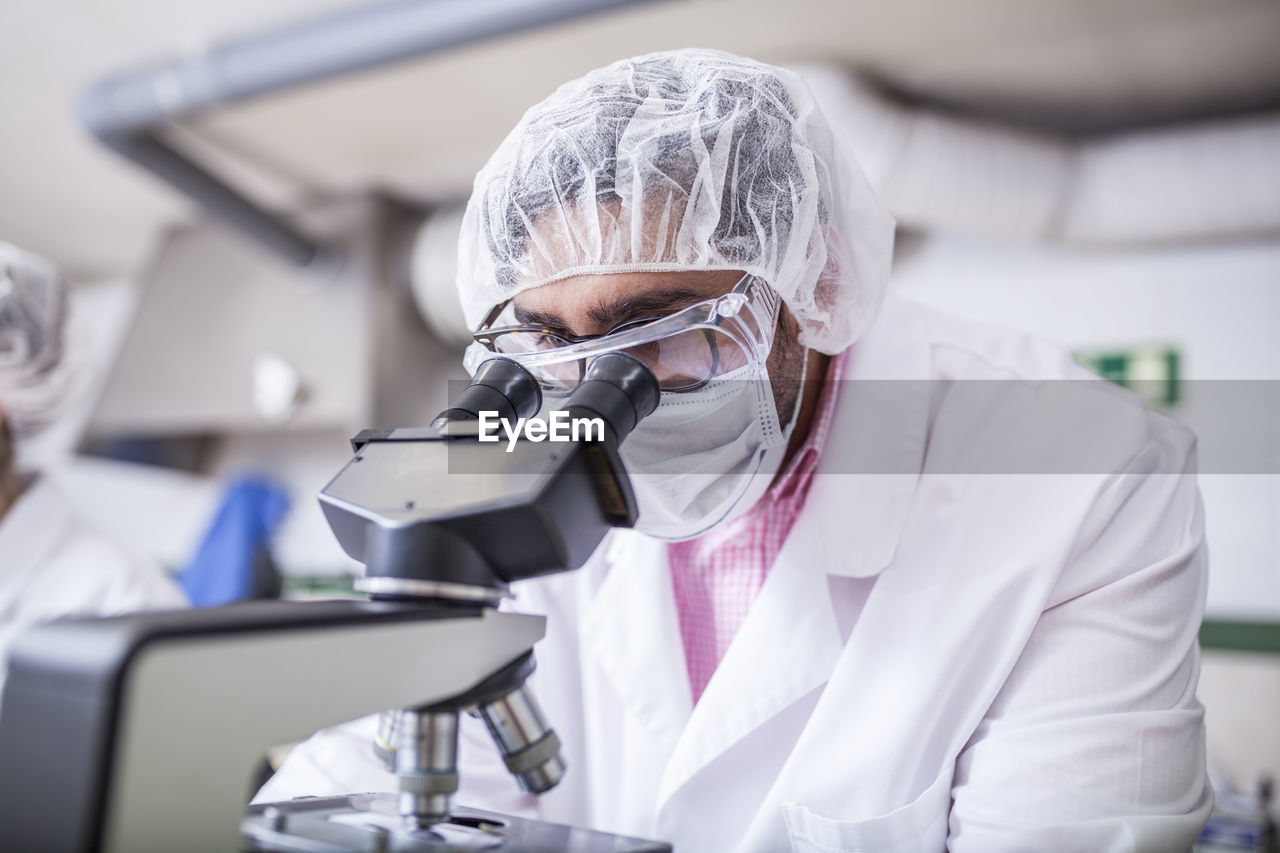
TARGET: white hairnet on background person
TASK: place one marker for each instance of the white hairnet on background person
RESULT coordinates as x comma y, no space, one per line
682,160
34,370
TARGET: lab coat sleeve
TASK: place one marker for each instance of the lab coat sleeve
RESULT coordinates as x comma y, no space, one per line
1096,740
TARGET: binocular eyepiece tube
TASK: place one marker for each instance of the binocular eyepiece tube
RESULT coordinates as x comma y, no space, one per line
618,388
500,385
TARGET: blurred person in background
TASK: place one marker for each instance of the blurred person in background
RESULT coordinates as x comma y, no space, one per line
793,651
52,563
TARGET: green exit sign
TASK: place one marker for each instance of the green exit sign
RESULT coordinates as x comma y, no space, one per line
1152,372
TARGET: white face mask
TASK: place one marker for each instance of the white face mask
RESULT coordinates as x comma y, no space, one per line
704,457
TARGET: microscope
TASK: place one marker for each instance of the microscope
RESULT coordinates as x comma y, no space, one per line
139,733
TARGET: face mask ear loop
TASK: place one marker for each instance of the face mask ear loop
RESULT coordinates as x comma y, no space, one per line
769,410
769,407
795,413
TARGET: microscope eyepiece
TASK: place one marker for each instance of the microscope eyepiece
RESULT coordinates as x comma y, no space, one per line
500,385
618,388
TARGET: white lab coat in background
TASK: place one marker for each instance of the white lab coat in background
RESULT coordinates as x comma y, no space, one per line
985,662
52,564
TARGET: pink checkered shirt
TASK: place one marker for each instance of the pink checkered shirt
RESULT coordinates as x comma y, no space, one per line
718,575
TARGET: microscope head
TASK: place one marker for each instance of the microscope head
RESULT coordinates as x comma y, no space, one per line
456,512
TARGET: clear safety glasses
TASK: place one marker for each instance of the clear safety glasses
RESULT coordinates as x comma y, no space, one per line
685,350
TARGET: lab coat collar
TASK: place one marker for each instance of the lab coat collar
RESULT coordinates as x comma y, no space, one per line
787,647
790,641
633,631
869,469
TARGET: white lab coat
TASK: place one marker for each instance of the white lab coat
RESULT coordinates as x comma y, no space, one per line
980,662
52,564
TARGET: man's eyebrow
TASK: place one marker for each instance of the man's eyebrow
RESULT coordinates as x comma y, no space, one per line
533,317
663,300
611,314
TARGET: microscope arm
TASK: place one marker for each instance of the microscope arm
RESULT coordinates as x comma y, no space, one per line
114,727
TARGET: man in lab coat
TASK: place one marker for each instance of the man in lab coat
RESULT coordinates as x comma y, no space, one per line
855,614
52,563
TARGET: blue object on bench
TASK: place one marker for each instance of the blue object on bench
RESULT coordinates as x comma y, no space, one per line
233,562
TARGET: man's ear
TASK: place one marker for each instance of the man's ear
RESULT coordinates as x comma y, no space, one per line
788,324
831,288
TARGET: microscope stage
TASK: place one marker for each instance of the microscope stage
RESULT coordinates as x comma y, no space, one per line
370,822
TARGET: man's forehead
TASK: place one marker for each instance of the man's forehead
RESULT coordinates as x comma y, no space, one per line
611,286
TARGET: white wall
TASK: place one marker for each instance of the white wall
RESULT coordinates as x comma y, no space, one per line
1219,304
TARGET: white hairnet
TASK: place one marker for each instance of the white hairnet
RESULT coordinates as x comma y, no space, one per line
33,314
683,160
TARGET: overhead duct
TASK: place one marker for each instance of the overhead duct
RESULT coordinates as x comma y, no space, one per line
252,346
129,112
935,171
